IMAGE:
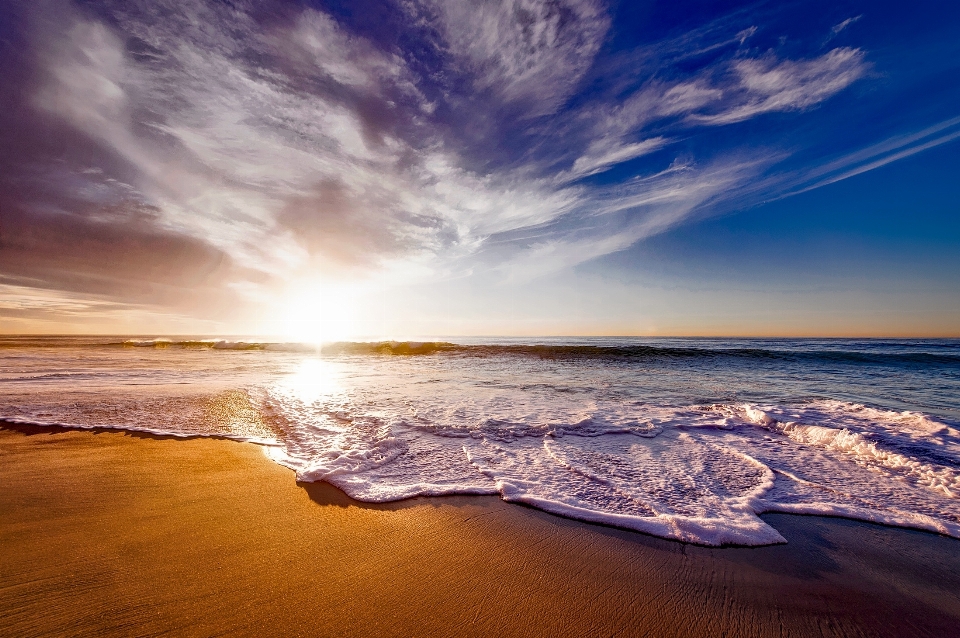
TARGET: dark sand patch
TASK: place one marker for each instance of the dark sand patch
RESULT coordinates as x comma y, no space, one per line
116,534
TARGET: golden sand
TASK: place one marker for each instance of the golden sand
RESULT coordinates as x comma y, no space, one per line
123,534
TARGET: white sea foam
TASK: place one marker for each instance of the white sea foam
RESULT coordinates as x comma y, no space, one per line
694,473
577,439
921,430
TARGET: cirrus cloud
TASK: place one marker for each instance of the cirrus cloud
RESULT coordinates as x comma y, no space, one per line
255,143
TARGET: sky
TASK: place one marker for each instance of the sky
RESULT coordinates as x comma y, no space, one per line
412,168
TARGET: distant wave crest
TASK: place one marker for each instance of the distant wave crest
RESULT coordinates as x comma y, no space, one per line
919,353
633,352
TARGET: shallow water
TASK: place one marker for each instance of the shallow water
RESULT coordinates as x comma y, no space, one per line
683,438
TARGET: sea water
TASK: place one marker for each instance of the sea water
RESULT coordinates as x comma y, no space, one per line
688,439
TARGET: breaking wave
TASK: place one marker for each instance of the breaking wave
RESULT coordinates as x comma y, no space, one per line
918,352
629,352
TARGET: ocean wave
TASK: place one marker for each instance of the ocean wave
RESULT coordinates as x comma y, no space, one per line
693,452
157,343
216,344
635,352
866,447
943,353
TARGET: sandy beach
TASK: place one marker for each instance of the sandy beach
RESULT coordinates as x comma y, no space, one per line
111,533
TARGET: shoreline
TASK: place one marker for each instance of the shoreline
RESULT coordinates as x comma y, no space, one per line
120,532
31,428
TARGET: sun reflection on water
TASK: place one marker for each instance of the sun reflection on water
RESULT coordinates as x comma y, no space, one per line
313,379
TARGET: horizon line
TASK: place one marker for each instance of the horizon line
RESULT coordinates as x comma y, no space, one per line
433,338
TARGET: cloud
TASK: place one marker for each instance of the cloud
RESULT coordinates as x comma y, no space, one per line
239,147
222,145
875,156
746,34
28,309
609,131
760,85
317,41
655,100
110,252
619,216
768,84
604,153
324,150
529,51
837,28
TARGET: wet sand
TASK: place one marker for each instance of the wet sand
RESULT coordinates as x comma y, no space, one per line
114,533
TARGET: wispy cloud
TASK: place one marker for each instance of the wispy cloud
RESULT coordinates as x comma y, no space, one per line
616,217
38,309
241,146
837,28
768,84
876,156
529,51
604,153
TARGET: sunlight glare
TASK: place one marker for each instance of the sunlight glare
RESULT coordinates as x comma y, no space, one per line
320,314
314,379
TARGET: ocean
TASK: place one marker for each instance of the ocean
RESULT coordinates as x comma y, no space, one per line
687,439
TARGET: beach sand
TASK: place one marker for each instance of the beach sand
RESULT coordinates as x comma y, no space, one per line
113,533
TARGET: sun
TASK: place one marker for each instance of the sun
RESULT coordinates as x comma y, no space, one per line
317,312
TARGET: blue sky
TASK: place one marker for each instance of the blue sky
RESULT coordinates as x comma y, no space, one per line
417,168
